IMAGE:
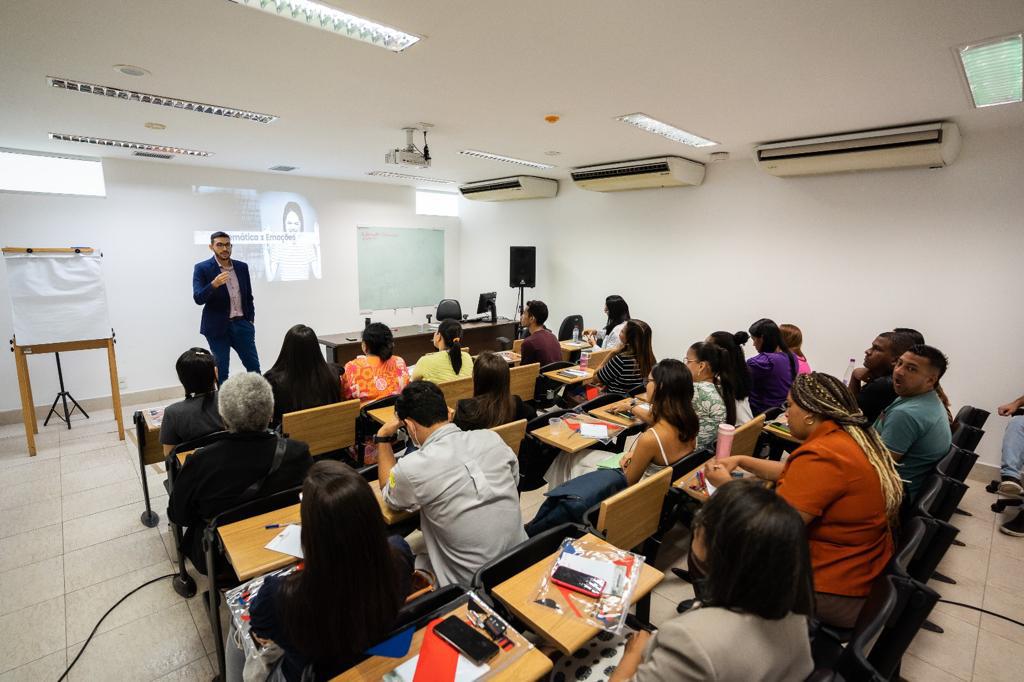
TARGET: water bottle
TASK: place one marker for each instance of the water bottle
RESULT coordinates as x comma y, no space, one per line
584,359
723,446
575,334
849,370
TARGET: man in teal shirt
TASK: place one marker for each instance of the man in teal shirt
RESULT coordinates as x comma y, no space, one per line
915,426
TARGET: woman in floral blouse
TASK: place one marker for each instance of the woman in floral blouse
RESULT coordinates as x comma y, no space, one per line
713,393
378,373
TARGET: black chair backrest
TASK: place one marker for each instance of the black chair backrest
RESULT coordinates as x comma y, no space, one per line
690,462
957,464
967,437
261,505
523,555
542,419
565,329
949,499
939,536
368,472
928,497
552,366
915,602
171,461
912,536
420,610
639,390
448,309
600,401
882,602
972,416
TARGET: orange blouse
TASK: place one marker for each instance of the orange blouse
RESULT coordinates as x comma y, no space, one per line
367,378
830,478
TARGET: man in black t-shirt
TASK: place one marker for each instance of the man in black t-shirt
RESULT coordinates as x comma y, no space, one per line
872,383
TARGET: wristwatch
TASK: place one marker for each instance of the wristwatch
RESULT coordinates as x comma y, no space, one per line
384,439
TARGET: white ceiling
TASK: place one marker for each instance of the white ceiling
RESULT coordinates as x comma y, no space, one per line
486,74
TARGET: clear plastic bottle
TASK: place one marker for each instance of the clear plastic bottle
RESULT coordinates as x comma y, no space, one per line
575,334
849,370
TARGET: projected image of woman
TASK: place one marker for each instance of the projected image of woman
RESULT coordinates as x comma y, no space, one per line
291,261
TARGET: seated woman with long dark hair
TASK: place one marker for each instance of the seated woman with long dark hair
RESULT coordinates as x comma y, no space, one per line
492,403
617,310
751,620
713,394
671,436
352,583
450,361
772,370
737,369
300,377
843,482
629,365
377,373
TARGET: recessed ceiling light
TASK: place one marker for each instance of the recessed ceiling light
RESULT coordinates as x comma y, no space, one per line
652,125
406,176
173,102
131,70
333,20
994,70
283,169
153,125
506,159
124,144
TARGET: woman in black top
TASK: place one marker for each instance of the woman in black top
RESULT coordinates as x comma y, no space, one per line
492,403
353,581
196,415
631,363
300,377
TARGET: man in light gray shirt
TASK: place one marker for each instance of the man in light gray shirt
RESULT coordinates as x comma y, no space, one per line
463,483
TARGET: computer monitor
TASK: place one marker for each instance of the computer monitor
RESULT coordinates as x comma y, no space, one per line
487,302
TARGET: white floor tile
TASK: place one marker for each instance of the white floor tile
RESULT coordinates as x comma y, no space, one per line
30,584
31,633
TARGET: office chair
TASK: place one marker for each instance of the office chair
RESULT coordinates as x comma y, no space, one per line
967,437
972,416
565,329
448,309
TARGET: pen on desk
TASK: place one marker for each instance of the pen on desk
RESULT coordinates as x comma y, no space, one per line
273,525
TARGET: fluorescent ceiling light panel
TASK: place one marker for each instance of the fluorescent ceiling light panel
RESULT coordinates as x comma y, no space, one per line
146,98
333,20
994,70
653,125
506,159
406,176
47,174
124,144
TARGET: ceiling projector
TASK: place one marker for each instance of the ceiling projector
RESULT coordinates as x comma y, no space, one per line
410,154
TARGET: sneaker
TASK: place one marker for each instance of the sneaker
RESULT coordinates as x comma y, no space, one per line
1010,486
1014,527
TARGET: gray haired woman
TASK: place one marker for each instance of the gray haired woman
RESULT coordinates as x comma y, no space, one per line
215,477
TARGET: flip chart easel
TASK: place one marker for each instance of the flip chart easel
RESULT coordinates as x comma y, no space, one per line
28,411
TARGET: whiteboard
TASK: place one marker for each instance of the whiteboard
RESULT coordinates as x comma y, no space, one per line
399,267
57,297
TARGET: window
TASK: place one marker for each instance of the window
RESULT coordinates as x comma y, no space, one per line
46,174
437,203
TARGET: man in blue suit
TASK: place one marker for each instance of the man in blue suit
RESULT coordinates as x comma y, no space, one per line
222,287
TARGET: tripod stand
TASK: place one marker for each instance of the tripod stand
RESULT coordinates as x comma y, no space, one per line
520,306
63,396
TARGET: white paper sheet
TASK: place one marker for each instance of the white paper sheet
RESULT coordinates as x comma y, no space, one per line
598,431
288,541
465,670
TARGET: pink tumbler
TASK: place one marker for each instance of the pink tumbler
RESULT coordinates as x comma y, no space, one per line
725,434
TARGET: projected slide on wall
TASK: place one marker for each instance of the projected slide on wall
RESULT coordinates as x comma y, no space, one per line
276,233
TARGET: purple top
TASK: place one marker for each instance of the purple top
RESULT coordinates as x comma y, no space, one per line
770,377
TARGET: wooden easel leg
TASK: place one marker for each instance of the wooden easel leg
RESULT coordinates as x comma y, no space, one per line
115,389
27,408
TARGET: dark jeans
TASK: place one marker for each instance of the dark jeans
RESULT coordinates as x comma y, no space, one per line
241,335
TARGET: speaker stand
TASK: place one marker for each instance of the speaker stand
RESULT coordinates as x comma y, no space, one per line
520,306
63,397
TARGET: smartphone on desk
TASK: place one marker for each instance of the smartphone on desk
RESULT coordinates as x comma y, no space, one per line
466,639
577,581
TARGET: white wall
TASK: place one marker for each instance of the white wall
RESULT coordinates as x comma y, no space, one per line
843,257
144,228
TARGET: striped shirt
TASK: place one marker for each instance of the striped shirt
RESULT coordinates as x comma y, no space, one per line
621,374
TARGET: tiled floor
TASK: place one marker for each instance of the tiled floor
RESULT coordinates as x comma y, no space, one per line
71,544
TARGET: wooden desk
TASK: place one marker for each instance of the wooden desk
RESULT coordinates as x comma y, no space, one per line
245,540
571,347
511,357
568,440
772,428
382,415
555,375
411,343
531,665
566,633
606,412
689,479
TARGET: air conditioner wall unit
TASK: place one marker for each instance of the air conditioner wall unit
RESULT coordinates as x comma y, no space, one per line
929,145
662,171
510,188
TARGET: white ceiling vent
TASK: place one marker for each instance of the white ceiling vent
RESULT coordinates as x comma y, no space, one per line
511,188
929,145
663,171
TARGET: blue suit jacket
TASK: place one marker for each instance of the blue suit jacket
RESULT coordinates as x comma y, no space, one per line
216,300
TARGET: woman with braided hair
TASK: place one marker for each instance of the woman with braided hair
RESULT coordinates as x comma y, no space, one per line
843,481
